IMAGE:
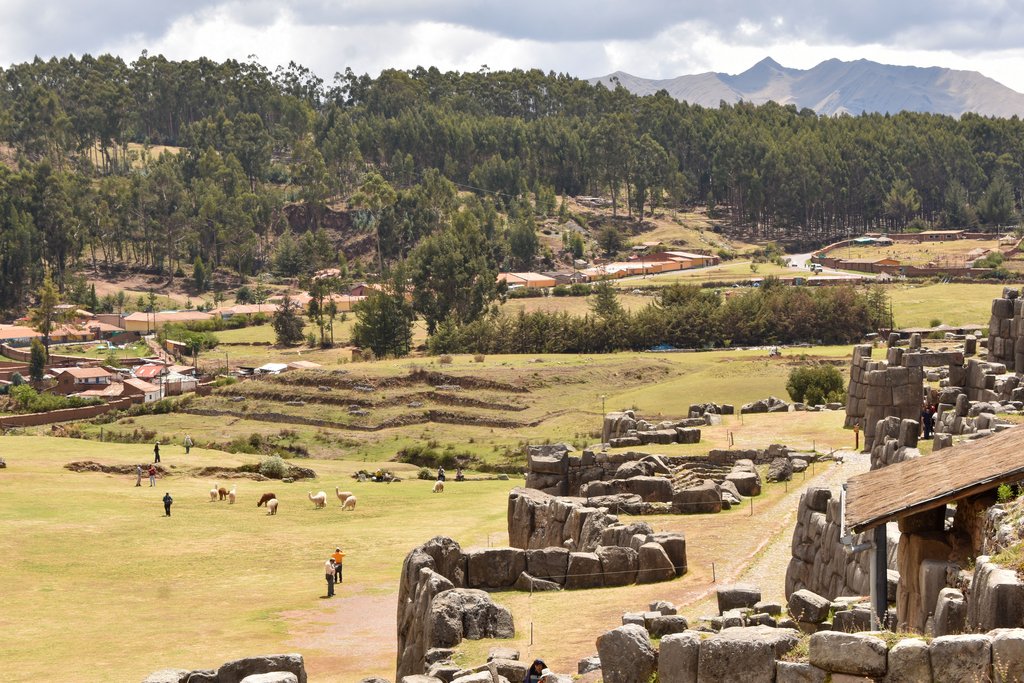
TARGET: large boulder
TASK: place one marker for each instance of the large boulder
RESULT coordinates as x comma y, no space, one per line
627,655
950,613
674,544
747,483
549,564
272,677
235,671
850,653
1007,654
780,469
420,678
737,596
167,676
663,625
809,607
960,658
654,564
467,613
584,571
634,468
495,567
618,565
737,657
909,662
704,498
678,657
531,584
798,672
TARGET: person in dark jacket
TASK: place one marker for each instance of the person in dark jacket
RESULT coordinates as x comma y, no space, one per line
535,672
156,452
167,504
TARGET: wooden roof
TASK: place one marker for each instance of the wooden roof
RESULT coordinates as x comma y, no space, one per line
924,483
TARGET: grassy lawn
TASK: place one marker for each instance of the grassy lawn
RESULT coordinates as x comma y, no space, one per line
136,591
731,271
951,304
951,254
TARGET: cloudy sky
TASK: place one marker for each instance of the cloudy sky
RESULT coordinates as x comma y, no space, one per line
651,38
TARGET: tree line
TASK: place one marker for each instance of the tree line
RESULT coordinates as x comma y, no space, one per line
413,156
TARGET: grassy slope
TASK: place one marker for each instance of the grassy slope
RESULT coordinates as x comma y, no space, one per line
952,304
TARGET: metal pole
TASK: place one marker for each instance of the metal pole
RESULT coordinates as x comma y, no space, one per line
879,577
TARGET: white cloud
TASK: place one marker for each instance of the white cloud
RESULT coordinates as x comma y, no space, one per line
651,38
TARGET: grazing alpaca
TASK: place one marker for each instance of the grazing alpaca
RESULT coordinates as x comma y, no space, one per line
350,503
319,500
222,492
231,495
213,492
438,486
272,506
265,498
342,495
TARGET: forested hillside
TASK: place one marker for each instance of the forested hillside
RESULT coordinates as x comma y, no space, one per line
459,164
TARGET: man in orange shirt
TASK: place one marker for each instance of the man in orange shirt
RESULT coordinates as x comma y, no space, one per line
338,556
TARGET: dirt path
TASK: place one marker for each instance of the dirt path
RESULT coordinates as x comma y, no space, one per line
767,568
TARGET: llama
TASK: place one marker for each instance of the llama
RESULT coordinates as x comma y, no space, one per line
350,503
438,486
222,493
342,495
272,506
319,500
213,493
231,495
266,497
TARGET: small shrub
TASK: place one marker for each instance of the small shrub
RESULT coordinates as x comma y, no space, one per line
478,358
273,467
445,359
1004,493
816,384
425,474
311,340
934,322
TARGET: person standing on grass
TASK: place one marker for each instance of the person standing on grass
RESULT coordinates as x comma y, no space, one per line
188,444
338,558
152,475
156,452
138,475
167,504
329,575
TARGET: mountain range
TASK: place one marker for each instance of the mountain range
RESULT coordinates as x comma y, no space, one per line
837,87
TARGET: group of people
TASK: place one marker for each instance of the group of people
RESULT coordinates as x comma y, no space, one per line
151,472
459,476
332,570
539,673
928,420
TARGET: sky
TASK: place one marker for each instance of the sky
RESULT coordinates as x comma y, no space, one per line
585,38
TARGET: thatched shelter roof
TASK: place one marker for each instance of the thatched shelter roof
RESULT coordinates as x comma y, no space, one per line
924,483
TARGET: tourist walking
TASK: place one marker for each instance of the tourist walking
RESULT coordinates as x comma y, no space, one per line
156,452
138,475
338,558
167,504
440,474
329,575
188,444
152,475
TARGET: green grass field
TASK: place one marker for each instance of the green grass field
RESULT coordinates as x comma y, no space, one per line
95,574
950,304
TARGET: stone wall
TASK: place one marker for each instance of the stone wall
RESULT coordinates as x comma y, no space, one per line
1005,328
68,414
820,562
760,653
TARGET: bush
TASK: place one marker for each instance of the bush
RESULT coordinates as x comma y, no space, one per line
445,359
28,400
1004,493
816,384
425,474
478,358
273,467
525,293
561,290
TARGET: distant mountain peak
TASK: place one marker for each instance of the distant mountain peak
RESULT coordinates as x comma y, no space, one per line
838,87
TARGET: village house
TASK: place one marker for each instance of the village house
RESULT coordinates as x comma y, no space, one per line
146,323
76,380
928,236
528,280
139,387
245,310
